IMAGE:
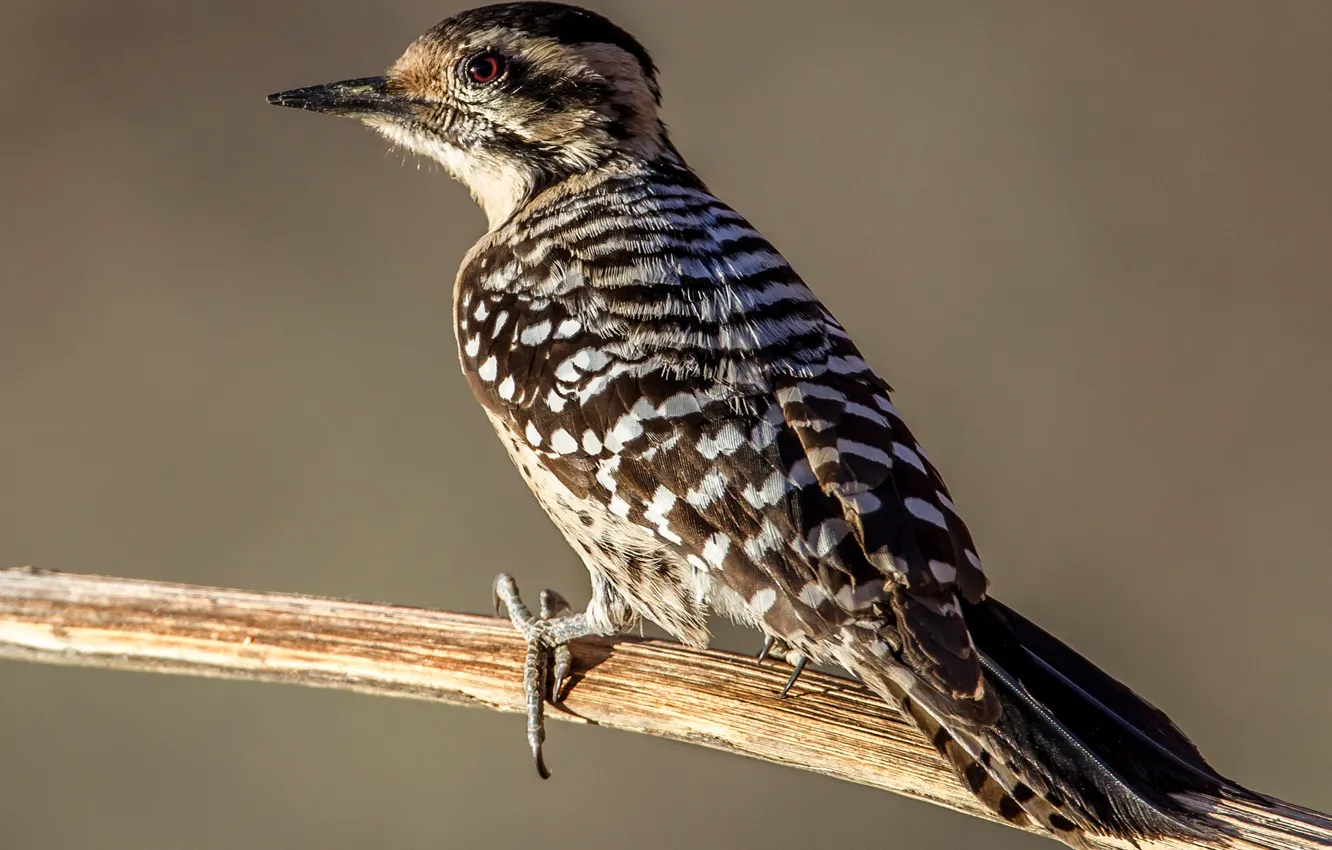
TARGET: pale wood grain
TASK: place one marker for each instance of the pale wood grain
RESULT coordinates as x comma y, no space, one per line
829,725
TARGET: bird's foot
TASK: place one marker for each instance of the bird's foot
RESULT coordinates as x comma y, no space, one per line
779,648
548,636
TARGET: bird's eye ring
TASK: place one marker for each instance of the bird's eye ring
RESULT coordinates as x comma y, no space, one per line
483,69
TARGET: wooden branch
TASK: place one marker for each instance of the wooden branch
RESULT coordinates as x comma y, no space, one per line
829,725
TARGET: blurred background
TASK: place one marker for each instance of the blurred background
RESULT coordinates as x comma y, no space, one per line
1089,243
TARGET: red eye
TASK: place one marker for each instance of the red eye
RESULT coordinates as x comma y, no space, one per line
484,68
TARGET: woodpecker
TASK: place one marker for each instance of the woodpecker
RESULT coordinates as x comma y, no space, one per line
708,438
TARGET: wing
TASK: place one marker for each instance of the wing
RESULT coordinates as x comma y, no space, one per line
898,510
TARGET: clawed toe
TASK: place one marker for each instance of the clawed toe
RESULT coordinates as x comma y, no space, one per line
552,606
547,639
773,646
795,674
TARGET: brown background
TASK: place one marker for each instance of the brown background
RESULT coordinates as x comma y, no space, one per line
1088,242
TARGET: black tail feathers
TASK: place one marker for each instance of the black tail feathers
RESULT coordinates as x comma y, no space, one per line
1119,760
1073,750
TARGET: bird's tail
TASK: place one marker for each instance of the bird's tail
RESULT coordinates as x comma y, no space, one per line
1073,750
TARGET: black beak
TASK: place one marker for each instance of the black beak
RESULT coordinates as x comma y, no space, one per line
361,98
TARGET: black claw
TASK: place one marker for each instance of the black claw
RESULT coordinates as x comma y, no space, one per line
799,668
542,771
767,647
552,605
559,672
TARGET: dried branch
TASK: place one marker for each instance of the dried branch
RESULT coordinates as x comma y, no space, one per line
828,725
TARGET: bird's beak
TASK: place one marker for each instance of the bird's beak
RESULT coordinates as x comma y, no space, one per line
367,97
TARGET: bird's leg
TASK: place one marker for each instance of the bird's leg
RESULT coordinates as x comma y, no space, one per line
547,636
778,648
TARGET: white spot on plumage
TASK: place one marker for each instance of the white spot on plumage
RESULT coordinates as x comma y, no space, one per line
606,473
945,501
680,404
482,311
591,443
708,491
768,539
861,596
489,369
661,503
568,328
864,503
822,391
589,359
770,493
555,401
848,365
619,506
473,346
507,388
592,388
714,551
802,474
533,435
501,319
923,510
664,446
944,572
887,406
813,595
628,428
909,456
868,452
751,263
726,441
563,442
864,412
644,409
763,435
567,372
655,512
535,334
974,559
762,602
826,536
730,232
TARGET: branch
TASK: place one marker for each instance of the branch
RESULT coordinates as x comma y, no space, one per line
830,726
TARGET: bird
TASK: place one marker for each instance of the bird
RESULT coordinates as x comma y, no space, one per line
708,438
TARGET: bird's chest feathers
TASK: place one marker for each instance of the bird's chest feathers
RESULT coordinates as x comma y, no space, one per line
655,580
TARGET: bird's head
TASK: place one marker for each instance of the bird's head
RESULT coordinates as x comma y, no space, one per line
511,98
